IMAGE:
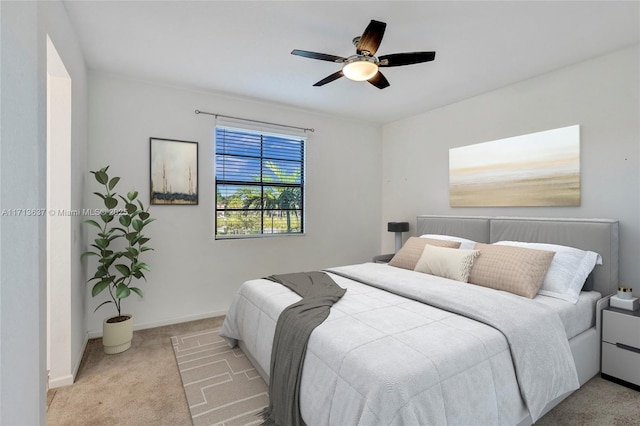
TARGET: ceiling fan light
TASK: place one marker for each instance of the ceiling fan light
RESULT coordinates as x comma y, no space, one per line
360,69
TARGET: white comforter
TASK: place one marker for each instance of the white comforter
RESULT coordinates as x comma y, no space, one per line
382,359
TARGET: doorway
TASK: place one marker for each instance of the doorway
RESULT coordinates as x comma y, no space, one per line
59,214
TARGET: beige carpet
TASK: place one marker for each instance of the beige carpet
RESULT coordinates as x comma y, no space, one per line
221,385
138,387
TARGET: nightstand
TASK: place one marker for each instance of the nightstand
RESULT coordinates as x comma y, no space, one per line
383,258
621,347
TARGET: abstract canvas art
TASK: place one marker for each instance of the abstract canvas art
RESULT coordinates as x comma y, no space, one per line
174,172
537,169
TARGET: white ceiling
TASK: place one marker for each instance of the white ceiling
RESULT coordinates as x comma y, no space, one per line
243,48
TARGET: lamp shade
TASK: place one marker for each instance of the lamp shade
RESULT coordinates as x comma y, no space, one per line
398,226
360,68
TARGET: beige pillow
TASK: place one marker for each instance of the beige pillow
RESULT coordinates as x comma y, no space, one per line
517,270
446,262
407,257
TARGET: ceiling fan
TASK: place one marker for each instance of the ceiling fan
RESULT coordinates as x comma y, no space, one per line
364,64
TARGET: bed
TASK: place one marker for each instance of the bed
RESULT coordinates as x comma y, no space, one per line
403,347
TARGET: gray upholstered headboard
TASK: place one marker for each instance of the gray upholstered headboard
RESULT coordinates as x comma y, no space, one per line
598,235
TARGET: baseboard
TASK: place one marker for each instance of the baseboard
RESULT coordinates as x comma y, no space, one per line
153,324
70,379
59,382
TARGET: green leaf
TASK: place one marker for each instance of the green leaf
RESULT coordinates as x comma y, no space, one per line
136,290
144,216
125,220
102,177
106,217
100,195
113,182
123,269
142,240
148,221
102,243
145,249
141,265
122,291
93,222
99,287
87,254
132,195
133,251
102,275
137,225
110,202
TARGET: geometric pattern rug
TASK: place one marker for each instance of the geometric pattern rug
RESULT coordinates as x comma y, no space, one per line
221,385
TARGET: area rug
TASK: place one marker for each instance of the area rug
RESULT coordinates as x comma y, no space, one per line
221,385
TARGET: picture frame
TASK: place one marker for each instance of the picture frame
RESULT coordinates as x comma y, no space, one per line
173,173
532,170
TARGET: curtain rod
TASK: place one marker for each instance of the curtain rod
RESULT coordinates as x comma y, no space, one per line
255,121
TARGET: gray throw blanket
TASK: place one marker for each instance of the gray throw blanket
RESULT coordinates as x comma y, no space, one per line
295,324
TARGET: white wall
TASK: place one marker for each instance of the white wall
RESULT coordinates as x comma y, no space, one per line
193,275
23,65
601,95
22,185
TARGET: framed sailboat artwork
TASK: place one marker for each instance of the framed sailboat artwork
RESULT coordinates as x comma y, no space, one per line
174,171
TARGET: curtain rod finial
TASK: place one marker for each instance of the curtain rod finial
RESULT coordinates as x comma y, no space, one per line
197,111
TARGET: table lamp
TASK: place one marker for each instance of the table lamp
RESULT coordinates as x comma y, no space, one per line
398,228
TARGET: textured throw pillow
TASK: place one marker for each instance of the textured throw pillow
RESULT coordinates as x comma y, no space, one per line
568,271
446,262
517,270
408,255
465,244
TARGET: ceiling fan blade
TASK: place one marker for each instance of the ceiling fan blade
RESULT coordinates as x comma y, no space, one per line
399,59
371,38
379,81
329,79
320,56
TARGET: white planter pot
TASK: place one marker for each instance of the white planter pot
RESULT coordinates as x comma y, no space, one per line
117,336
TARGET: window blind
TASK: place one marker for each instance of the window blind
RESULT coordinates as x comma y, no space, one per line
259,180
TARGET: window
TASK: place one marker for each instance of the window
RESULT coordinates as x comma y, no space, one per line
259,183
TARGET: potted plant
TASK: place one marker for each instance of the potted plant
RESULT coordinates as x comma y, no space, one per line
119,246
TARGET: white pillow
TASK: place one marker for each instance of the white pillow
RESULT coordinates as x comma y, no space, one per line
446,262
568,271
464,243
